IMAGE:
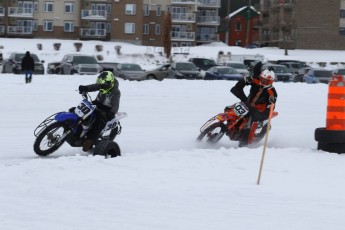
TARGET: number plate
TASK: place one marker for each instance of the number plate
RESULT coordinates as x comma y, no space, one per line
240,109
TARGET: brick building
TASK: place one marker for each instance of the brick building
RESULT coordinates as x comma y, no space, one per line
290,24
136,21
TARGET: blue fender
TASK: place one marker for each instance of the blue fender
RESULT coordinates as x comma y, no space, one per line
64,116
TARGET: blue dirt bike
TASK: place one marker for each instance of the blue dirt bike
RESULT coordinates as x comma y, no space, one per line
72,127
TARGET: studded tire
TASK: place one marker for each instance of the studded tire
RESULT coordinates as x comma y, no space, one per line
107,149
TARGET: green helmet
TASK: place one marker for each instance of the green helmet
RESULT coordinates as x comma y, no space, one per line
107,79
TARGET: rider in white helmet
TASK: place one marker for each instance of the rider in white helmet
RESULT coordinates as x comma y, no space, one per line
261,95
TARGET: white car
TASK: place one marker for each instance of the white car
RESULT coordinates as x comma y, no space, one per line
239,66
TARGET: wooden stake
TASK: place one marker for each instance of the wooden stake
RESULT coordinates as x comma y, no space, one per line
266,138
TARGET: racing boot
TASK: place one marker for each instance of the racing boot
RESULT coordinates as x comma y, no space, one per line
87,145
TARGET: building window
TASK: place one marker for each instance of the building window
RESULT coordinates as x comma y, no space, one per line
108,8
342,31
158,29
47,25
130,9
238,26
186,44
146,29
48,6
342,13
68,26
69,7
146,10
238,43
35,6
158,10
34,24
129,28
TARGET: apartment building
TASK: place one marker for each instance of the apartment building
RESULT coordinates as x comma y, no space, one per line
291,24
194,22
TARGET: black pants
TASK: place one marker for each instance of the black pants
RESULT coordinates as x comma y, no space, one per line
97,127
259,116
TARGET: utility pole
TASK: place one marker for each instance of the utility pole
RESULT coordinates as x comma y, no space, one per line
248,21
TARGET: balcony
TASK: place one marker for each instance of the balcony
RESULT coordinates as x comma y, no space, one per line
20,12
209,3
19,30
208,20
183,2
207,37
2,11
185,18
94,14
284,3
182,36
92,33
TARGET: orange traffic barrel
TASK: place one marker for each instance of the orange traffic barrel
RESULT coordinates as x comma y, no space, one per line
336,104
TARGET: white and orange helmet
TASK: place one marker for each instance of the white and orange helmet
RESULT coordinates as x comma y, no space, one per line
267,77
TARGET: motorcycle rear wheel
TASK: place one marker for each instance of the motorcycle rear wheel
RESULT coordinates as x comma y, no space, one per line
107,149
49,140
212,134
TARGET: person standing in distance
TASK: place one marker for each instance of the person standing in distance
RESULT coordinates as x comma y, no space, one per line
28,66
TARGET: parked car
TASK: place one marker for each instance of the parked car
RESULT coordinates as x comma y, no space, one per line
130,71
239,66
323,75
301,63
108,66
339,71
222,73
14,62
75,64
281,71
301,72
158,73
293,67
184,70
203,63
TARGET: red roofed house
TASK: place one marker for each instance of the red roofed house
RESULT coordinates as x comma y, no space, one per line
237,27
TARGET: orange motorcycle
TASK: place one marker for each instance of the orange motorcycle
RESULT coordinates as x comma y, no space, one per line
234,122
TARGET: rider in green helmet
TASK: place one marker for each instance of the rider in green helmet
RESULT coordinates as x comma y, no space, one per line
107,102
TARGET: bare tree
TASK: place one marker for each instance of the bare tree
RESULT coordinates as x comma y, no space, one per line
166,37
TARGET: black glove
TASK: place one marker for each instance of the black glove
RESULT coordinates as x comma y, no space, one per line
71,110
83,88
257,70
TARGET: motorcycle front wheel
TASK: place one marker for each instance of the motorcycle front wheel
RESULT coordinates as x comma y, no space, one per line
50,139
212,134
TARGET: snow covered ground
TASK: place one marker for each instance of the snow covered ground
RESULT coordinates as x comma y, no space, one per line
164,179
